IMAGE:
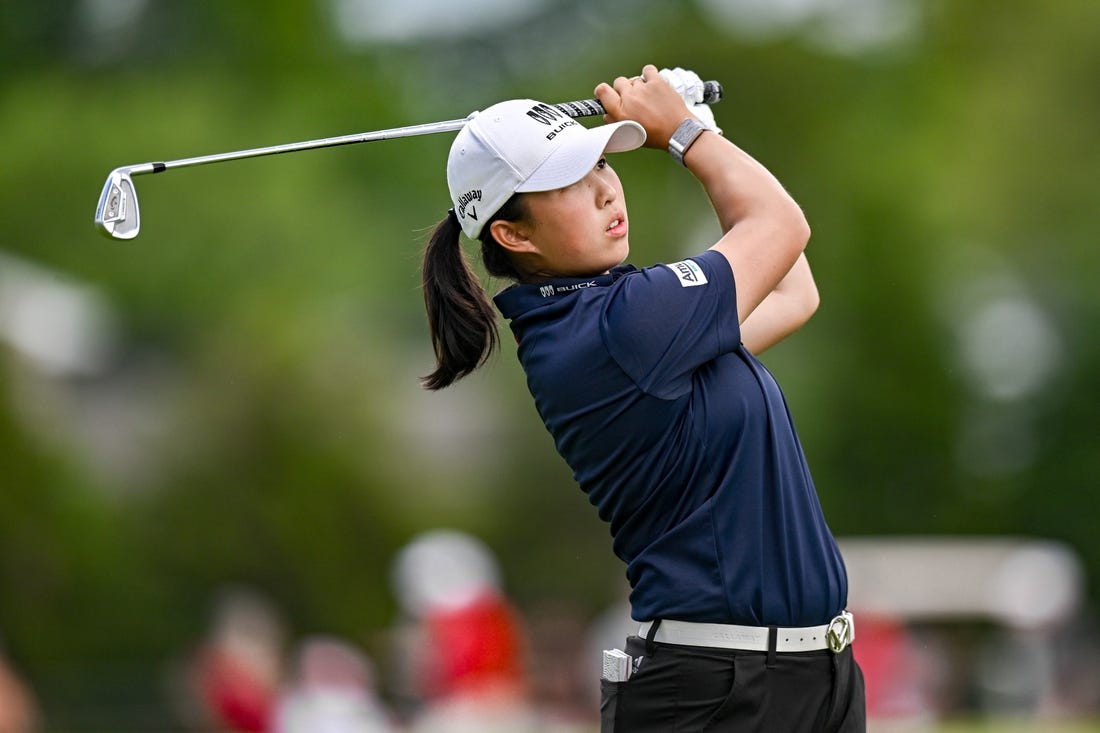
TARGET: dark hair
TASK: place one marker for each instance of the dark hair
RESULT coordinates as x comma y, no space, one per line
461,318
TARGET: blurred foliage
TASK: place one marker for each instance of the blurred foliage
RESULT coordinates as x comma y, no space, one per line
271,326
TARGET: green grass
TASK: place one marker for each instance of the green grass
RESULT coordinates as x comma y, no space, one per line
1007,726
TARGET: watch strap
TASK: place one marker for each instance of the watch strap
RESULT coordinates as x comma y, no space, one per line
684,137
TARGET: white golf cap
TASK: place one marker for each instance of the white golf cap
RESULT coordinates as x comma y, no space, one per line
523,145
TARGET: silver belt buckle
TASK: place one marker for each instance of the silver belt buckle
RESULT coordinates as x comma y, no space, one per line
841,632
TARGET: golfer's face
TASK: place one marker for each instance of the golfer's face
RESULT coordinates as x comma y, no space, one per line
580,230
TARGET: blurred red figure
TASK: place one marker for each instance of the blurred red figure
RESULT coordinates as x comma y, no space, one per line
467,651
474,649
332,689
240,699
893,671
238,667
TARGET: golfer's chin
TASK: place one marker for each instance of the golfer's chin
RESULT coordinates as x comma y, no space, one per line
619,252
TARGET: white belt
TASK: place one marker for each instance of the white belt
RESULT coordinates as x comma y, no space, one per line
835,635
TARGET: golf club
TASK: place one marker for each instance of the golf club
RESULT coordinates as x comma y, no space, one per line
117,215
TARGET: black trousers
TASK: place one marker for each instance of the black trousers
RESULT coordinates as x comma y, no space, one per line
683,689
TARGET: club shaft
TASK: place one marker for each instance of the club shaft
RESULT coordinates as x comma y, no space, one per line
579,108
583,108
324,142
117,214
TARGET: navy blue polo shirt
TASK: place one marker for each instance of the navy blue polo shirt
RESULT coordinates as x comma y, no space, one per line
682,440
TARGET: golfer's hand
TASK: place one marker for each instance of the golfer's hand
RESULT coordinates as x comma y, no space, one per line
649,100
690,88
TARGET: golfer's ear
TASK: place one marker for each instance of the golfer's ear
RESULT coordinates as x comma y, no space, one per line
512,236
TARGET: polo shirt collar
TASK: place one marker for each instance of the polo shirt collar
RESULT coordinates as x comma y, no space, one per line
522,297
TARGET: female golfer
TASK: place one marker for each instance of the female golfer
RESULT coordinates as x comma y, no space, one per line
648,382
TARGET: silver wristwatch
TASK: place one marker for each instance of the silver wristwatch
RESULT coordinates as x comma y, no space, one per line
686,134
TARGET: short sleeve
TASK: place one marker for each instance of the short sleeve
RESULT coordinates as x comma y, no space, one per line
662,323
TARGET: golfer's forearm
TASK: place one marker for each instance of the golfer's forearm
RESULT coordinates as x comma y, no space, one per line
739,187
765,230
783,311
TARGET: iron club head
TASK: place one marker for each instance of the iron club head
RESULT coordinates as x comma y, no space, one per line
116,215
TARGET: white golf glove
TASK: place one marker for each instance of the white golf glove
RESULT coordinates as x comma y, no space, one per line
690,88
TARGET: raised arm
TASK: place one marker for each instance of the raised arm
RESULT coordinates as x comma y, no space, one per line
783,311
765,231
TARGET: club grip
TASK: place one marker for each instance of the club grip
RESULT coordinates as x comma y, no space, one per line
712,94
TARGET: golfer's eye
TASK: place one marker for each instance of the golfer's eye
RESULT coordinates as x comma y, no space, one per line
601,164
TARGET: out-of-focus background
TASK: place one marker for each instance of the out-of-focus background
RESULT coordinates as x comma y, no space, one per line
227,505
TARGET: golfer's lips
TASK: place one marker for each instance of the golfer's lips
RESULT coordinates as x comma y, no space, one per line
617,226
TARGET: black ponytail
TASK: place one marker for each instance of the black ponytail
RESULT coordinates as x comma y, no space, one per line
461,318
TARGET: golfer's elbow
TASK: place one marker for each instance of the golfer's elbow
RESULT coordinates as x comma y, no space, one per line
810,301
800,290
788,229
806,295
797,226
811,298
802,303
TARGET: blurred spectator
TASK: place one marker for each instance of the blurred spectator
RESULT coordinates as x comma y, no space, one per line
467,641
18,708
563,671
1014,674
1077,654
239,664
332,690
472,650
897,695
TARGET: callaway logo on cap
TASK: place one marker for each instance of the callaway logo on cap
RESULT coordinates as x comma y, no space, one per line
524,145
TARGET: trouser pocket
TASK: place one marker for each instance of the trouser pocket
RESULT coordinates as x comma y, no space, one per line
610,693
